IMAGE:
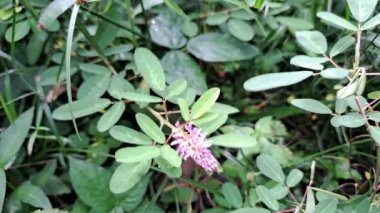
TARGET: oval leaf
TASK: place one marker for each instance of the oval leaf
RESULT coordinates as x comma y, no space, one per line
270,168
80,108
326,206
267,198
94,86
375,134
204,103
171,156
150,128
312,105
217,47
274,80
240,29
362,9
342,45
294,177
12,138
335,73
21,30
335,20
350,120
139,97
373,22
111,117
32,195
127,175
307,62
184,108
128,135
313,41
234,140
150,68
136,154
232,195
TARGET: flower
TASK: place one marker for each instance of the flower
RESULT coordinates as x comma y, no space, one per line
191,142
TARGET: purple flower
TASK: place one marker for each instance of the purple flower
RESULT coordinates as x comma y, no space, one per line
191,142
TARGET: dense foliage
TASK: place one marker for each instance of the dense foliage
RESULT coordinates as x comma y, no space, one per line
189,106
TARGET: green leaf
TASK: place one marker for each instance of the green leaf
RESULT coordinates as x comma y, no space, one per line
21,30
326,206
94,69
216,19
3,186
335,73
150,68
168,169
313,63
110,117
373,22
128,135
223,109
267,198
85,177
270,168
81,108
295,176
217,47
251,210
375,116
12,138
118,86
189,28
94,86
171,156
295,23
175,88
139,97
279,191
179,65
184,108
342,45
310,200
204,103
232,194
136,154
350,120
311,105
131,199
127,175
150,128
274,80
374,95
240,29
362,9
375,133
215,124
165,30
234,140
32,195
335,20
313,41
174,6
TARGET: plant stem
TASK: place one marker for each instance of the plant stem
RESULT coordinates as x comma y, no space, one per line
357,51
161,119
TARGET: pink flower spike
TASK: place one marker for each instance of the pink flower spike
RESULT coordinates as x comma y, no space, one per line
191,142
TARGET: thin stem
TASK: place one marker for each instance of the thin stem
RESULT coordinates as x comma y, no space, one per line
357,50
331,61
161,119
